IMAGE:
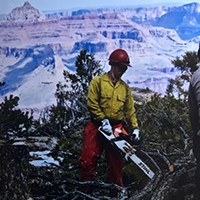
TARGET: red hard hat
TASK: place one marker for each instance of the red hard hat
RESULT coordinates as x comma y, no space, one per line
120,56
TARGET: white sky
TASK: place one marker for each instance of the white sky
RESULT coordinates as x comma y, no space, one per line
7,5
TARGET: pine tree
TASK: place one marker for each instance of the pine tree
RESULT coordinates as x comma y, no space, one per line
71,110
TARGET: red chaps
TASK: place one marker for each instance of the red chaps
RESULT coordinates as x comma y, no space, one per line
93,145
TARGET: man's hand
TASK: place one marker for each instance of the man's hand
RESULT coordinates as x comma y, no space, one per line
136,135
106,127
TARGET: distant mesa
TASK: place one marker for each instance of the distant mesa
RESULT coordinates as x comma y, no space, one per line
26,12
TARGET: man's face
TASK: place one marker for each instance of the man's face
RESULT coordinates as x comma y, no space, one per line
118,70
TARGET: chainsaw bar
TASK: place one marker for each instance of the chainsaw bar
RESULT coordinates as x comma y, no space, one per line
129,152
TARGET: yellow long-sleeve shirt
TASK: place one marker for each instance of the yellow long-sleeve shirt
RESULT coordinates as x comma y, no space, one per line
114,102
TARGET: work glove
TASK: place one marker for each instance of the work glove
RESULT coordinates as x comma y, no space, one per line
136,136
106,127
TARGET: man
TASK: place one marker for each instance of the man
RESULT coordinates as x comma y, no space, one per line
194,114
110,103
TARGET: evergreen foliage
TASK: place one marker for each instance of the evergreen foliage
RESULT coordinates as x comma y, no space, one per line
76,95
13,122
164,121
71,110
187,65
165,124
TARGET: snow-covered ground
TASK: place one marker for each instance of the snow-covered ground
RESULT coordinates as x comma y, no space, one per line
40,150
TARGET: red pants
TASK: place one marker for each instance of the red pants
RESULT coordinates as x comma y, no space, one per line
93,145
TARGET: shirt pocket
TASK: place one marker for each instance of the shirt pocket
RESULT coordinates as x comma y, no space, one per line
121,99
105,98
